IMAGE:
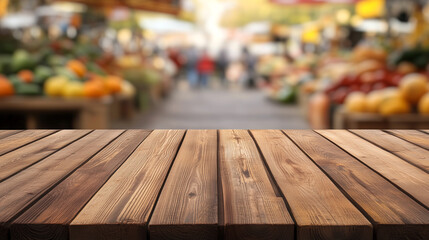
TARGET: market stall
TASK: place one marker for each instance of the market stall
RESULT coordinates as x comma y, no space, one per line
78,65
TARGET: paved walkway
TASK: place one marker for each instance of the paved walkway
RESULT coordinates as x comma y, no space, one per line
220,109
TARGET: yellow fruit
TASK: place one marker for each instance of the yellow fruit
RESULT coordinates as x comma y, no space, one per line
355,102
395,105
73,89
373,101
54,86
413,87
424,104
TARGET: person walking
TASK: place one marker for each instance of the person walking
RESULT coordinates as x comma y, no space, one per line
205,68
191,59
222,64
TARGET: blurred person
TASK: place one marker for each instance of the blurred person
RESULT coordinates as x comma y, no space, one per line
191,61
235,73
222,64
205,68
176,57
249,62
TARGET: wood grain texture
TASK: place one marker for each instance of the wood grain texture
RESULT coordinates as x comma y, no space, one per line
121,208
419,138
413,154
319,208
411,179
22,189
394,214
187,207
15,161
17,140
7,133
48,218
252,210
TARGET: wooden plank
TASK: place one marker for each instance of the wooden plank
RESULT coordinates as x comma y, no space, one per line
15,161
416,137
48,217
415,155
121,208
187,207
22,189
15,141
393,213
7,133
319,208
411,179
252,209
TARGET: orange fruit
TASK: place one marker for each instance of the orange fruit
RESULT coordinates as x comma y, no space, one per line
77,67
6,87
26,76
113,84
94,89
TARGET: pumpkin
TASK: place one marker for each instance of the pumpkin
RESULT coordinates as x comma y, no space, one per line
113,84
356,102
26,76
413,87
77,67
6,87
423,106
394,105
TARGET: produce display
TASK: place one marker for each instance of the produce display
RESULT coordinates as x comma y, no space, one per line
55,75
382,91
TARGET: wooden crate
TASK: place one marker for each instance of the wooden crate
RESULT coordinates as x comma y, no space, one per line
123,108
82,113
345,120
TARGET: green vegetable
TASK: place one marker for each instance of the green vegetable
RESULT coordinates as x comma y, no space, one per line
287,94
28,89
63,71
21,59
41,73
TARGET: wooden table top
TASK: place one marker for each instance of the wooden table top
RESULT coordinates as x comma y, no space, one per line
214,184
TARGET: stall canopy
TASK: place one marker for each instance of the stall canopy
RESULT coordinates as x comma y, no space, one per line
288,2
164,6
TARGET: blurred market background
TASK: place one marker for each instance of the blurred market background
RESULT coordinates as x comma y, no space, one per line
214,64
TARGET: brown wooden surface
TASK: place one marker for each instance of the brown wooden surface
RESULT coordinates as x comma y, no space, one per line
419,138
392,212
47,219
22,189
252,208
89,113
411,179
20,139
321,211
15,161
7,133
401,148
214,184
123,205
189,210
